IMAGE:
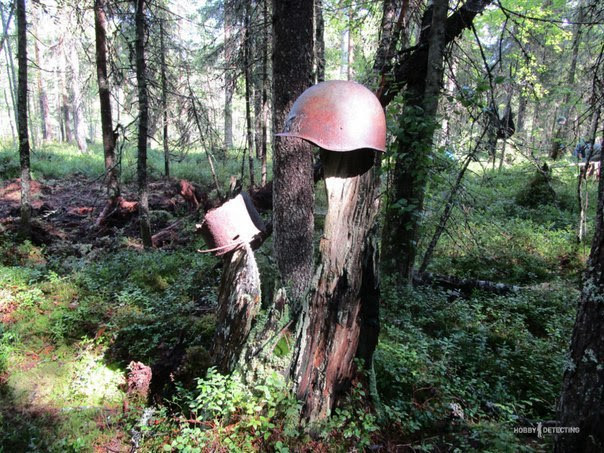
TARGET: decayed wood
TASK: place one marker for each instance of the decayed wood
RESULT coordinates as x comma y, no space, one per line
116,208
330,322
238,305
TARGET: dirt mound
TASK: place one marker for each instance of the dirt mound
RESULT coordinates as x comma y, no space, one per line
67,210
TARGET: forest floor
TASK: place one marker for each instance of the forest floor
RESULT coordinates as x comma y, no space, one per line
82,307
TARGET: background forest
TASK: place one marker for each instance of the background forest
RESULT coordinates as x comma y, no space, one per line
123,122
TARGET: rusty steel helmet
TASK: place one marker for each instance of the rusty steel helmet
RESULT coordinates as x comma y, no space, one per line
338,116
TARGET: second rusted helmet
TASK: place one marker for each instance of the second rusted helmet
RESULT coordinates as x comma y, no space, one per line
338,116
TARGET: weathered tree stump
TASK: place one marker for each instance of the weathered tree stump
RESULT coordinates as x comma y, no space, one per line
238,305
330,325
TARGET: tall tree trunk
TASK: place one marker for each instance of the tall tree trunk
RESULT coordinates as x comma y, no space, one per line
42,97
164,98
401,229
265,90
293,196
143,124
229,78
9,109
319,42
247,63
5,25
22,123
33,136
506,114
522,102
79,124
561,129
582,400
344,54
66,106
111,169
10,67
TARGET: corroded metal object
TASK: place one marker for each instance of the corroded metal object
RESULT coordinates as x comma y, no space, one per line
338,116
231,225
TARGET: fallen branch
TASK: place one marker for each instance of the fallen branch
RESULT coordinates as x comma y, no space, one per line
465,285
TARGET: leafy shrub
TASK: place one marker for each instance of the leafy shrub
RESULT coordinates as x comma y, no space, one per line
230,414
496,357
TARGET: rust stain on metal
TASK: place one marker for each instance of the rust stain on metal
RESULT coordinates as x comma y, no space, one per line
232,224
338,115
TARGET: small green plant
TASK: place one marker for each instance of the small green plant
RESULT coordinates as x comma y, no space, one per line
239,416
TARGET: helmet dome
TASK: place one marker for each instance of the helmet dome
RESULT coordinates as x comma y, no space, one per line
338,115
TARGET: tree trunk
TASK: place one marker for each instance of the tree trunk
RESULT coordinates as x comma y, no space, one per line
401,229
247,63
42,97
10,67
561,131
582,400
238,304
5,25
444,218
33,137
293,168
10,119
143,124
164,98
330,323
319,42
229,78
265,89
522,102
66,107
406,70
344,54
79,124
111,169
22,123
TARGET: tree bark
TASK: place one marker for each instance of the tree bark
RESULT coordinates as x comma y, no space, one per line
22,122
265,90
330,324
5,25
10,68
66,106
238,305
111,169
293,169
561,131
401,228
79,124
42,97
164,97
582,399
319,42
229,78
143,124
406,70
247,63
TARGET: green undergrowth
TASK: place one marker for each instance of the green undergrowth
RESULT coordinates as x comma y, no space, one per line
492,235
462,373
60,160
453,373
70,327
